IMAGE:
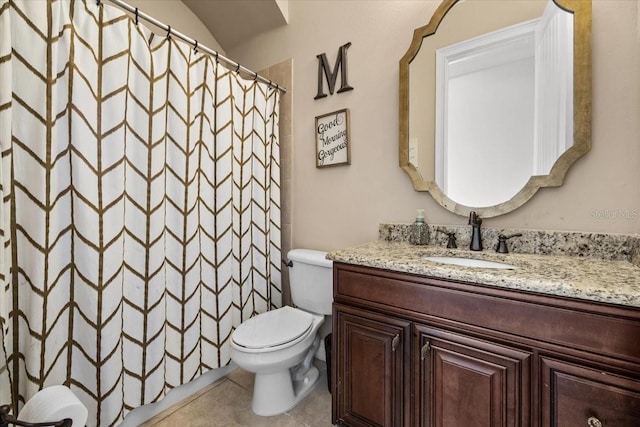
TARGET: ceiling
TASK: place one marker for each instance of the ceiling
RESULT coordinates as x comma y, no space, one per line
234,21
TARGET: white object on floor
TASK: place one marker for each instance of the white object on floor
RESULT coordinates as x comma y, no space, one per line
52,404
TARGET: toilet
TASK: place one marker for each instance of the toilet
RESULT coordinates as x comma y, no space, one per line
279,345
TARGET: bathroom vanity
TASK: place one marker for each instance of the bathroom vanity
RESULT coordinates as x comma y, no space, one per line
553,342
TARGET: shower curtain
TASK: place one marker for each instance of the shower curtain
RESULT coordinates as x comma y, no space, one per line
139,219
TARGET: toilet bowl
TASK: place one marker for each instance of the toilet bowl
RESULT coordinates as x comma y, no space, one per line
279,345
276,389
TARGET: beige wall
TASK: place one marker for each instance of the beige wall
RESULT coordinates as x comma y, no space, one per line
340,206
180,17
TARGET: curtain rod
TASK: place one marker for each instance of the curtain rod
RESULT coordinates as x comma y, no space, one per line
173,33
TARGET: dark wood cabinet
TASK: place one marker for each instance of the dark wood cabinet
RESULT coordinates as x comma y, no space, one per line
411,350
575,395
372,376
465,381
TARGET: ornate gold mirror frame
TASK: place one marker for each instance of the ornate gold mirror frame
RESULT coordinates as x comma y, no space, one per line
581,10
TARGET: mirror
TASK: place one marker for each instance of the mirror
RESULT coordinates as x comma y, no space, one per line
497,103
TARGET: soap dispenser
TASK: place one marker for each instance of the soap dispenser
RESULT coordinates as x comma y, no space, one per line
420,230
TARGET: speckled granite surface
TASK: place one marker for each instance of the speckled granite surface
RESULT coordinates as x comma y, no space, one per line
614,247
609,281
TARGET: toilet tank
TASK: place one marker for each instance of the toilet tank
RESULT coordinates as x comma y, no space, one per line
311,280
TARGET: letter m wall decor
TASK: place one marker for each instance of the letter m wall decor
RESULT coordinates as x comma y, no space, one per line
332,76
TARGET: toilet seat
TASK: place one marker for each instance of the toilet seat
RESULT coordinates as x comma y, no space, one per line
281,327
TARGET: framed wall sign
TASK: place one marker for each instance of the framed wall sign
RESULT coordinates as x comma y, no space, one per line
332,139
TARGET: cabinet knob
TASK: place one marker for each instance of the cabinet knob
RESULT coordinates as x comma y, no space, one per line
594,422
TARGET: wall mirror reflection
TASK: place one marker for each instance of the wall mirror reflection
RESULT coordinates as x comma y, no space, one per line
495,101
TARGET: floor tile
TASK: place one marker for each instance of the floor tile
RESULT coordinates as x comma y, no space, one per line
228,403
315,409
243,378
160,418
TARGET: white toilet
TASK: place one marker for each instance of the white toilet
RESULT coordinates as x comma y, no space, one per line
279,345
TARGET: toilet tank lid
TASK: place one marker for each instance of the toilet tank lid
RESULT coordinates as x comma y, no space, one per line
310,256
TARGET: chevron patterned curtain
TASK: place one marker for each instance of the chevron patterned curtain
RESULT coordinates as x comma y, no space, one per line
140,217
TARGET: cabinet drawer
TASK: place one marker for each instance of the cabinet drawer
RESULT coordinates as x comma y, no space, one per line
604,331
580,396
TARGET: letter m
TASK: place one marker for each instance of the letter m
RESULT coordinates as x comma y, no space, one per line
323,67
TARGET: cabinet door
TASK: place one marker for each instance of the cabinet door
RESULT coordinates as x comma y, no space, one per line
370,389
575,395
463,381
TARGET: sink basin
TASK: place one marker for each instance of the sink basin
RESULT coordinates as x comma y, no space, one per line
470,262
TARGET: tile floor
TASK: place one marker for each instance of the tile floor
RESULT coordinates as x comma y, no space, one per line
227,402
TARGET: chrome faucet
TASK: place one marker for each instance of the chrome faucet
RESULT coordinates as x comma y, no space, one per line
476,235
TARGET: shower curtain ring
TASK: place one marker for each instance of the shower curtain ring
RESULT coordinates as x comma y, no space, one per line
216,56
169,32
255,77
137,16
238,69
195,48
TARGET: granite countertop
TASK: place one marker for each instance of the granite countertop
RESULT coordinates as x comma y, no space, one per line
614,282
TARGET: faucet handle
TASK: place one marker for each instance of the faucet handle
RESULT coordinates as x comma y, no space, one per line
502,248
451,240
